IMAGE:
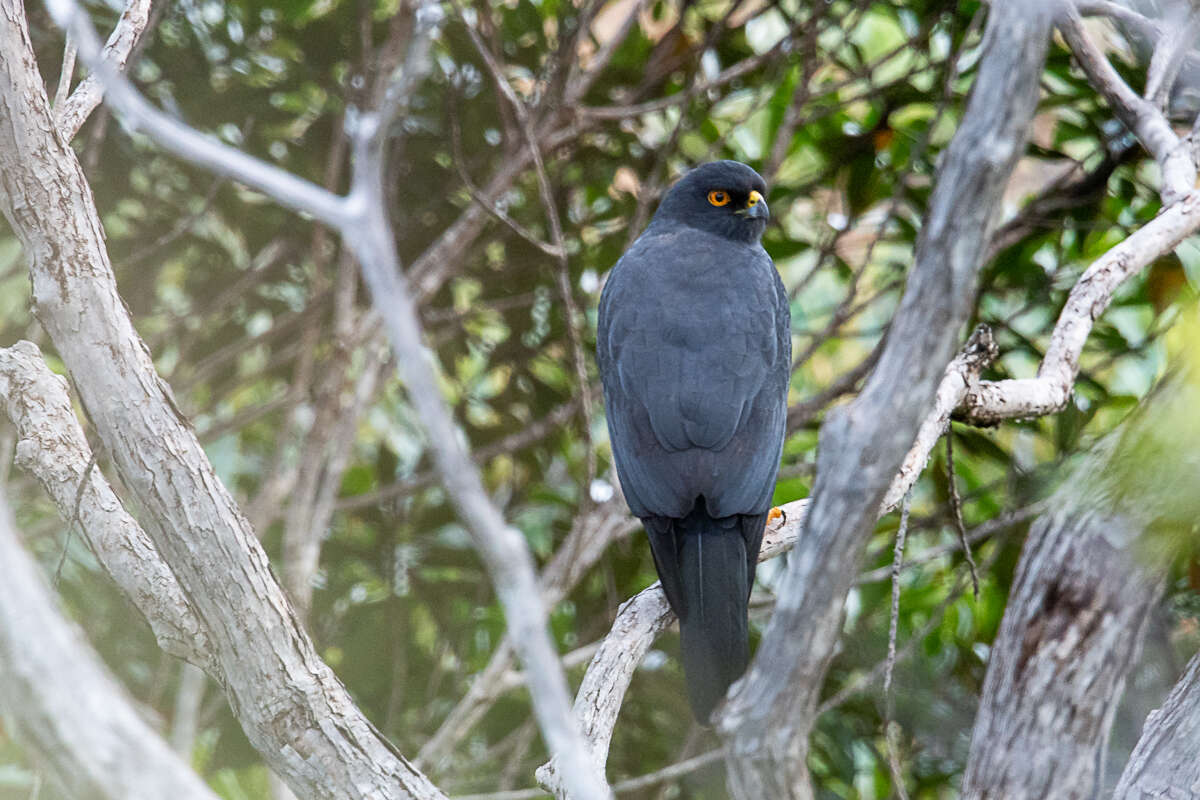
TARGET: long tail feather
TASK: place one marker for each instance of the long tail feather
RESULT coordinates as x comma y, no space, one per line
715,584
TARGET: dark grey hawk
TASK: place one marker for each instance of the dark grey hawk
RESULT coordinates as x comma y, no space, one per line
694,347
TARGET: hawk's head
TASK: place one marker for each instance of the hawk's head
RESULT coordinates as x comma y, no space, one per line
722,197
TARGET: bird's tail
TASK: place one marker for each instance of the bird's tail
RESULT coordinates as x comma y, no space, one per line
715,583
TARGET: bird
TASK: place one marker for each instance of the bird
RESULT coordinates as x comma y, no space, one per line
694,348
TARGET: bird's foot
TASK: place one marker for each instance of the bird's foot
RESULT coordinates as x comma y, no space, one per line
776,513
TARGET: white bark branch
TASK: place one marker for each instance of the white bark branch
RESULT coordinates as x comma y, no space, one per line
361,217
1164,764
1143,117
293,708
990,402
961,375
65,706
51,444
70,115
639,622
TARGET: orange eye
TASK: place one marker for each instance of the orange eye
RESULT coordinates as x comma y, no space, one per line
718,197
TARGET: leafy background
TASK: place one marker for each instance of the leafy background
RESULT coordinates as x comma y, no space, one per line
844,106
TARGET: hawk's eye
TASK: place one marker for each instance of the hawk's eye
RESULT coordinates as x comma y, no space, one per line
718,197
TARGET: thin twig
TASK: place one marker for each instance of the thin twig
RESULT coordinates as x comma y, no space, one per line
890,727
74,520
956,510
64,76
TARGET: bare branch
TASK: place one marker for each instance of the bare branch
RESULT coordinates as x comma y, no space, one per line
65,74
70,115
205,151
1141,116
53,447
361,217
1164,763
65,705
989,402
961,374
291,705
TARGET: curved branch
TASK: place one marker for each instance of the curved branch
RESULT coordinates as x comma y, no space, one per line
1140,115
52,446
64,703
989,402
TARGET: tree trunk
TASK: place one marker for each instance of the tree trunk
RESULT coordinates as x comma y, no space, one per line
767,722
1090,575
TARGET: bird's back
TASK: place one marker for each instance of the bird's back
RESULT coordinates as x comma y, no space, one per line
694,350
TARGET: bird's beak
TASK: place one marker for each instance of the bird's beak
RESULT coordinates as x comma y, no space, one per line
756,207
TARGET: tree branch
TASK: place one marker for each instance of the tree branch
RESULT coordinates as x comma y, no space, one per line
293,708
65,705
988,402
361,218
70,115
1141,116
1164,763
767,721
53,447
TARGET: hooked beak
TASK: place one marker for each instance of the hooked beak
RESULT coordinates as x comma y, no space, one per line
756,207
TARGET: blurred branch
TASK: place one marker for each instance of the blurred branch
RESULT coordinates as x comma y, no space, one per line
291,705
51,444
1164,763
1089,578
1175,160
1168,57
570,308
514,442
65,706
1068,191
1120,13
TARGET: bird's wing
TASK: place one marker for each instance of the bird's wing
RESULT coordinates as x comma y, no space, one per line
694,350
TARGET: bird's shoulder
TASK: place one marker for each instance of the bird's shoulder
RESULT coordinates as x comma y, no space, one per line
690,257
